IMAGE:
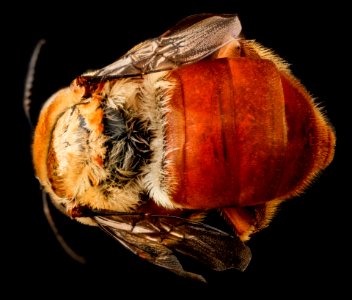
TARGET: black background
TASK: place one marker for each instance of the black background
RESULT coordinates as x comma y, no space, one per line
303,252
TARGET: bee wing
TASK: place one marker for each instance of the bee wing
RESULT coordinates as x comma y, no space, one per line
155,238
187,42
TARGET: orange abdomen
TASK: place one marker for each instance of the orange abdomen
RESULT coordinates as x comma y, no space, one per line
241,133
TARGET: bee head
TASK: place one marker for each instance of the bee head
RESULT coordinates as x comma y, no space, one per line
51,112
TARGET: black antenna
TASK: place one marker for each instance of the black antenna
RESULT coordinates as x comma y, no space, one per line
29,80
57,234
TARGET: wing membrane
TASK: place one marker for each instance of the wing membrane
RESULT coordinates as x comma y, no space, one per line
157,238
188,42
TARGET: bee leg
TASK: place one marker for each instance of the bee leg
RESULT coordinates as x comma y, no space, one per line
250,219
57,234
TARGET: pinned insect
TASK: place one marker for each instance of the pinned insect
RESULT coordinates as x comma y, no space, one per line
196,120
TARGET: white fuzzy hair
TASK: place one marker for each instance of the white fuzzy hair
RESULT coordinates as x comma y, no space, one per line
149,98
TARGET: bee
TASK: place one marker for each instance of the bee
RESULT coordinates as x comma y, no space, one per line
196,120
